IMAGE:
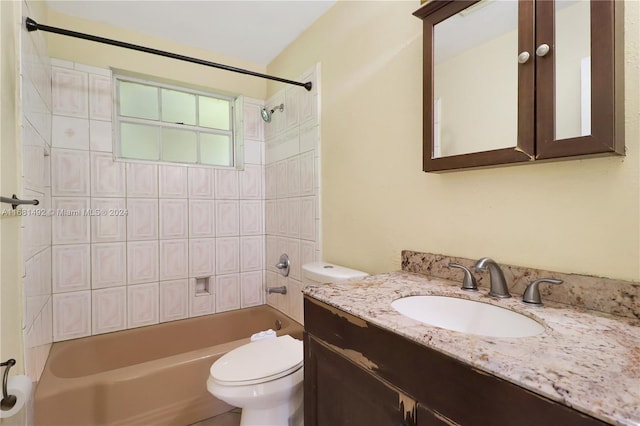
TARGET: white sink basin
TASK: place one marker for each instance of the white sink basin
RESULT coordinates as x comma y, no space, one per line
467,316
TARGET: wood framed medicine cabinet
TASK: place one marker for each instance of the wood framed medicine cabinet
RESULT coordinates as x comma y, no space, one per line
513,82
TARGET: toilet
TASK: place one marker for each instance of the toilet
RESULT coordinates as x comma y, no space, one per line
264,377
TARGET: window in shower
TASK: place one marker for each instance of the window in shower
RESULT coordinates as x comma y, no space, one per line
165,123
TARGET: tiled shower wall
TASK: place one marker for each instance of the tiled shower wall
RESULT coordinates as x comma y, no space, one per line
292,189
152,231
35,73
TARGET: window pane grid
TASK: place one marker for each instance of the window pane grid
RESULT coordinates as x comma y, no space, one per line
176,141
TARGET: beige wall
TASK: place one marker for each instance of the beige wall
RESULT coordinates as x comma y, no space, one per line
579,216
10,158
105,56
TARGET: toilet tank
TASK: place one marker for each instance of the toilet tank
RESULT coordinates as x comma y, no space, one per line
323,272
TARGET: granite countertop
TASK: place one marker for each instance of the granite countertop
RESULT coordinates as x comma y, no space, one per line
585,359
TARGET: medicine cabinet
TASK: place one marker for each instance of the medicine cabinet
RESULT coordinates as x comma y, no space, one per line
519,81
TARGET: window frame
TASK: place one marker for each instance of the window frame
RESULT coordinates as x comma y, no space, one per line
235,122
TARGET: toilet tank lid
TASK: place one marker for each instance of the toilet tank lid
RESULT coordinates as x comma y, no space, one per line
323,272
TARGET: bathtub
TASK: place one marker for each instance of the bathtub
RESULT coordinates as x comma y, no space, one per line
153,375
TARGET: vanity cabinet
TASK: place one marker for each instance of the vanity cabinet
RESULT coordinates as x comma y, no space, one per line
508,82
357,373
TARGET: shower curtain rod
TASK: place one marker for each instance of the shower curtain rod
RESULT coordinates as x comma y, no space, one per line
33,26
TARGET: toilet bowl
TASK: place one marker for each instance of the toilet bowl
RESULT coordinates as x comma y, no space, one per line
264,378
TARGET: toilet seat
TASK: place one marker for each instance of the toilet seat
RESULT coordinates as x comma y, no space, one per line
258,362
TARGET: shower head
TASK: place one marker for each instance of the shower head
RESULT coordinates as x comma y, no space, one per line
266,113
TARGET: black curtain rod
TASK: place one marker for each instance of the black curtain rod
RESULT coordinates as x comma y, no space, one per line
33,26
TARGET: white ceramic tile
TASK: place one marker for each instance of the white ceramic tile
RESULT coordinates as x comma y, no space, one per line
174,300
251,253
227,255
293,250
142,262
310,138
107,176
282,186
293,176
251,289
70,172
174,218
307,218
100,136
100,104
201,182
108,220
251,182
201,218
293,217
108,265
71,268
142,180
227,292
70,225
142,219
201,303
291,100
106,72
282,212
271,181
227,218
253,153
253,124
173,181
296,301
60,63
226,184
307,253
273,299
109,309
33,167
272,255
251,217
174,259
142,305
271,217
71,315
307,164
70,132
202,257
70,92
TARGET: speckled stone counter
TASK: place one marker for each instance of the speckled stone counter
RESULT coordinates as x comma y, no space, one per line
587,360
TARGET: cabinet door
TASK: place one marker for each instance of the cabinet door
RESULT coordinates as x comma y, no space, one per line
338,392
579,93
478,101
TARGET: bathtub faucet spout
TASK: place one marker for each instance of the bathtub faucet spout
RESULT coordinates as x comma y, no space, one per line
281,290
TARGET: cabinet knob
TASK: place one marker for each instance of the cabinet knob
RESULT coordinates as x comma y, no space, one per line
543,49
523,57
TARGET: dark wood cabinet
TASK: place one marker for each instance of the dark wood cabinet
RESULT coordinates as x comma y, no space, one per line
357,373
563,106
345,394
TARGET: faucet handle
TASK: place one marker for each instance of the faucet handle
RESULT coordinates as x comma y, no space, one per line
469,281
532,293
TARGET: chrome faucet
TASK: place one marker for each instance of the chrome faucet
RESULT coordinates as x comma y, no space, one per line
498,287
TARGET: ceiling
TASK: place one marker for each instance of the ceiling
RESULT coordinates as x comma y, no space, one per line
254,31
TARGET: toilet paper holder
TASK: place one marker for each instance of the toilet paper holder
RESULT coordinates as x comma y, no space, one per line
8,401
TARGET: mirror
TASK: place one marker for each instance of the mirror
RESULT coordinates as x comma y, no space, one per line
476,79
476,76
572,68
